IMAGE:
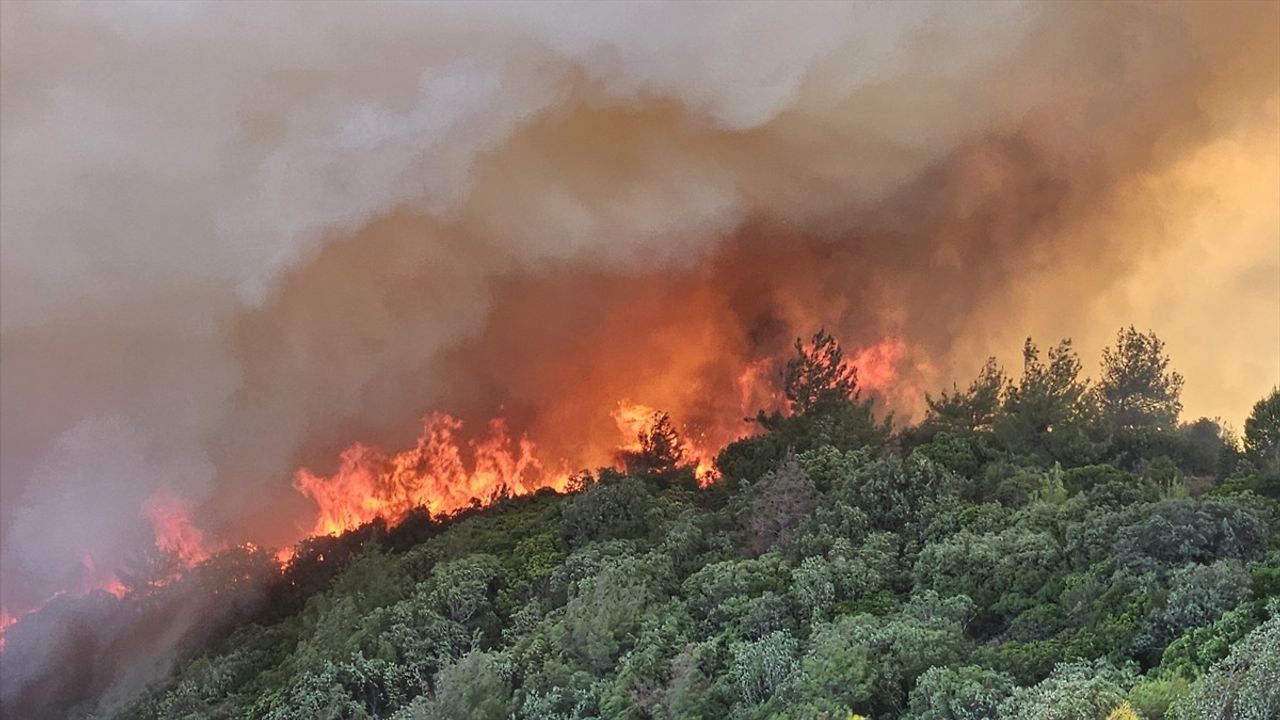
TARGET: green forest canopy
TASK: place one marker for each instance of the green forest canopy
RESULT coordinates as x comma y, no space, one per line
1039,547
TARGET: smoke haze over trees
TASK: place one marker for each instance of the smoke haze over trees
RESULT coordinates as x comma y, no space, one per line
312,283
236,243
949,570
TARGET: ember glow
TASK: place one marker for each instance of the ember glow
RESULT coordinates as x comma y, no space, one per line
5,621
96,577
444,472
175,531
274,274
449,469
440,473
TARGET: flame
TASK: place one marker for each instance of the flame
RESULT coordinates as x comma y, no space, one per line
878,364
5,621
175,532
635,419
886,369
433,474
757,389
94,578
444,472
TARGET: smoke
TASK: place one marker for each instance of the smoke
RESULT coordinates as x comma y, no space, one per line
236,240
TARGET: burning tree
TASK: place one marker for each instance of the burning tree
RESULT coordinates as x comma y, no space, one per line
818,377
826,410
658,450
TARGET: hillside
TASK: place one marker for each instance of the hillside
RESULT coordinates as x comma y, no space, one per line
1037,547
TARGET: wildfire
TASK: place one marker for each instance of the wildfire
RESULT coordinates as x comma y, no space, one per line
880,370
757,387
878,364
175,532
5,621
445,473
94,578
433,474
447,470
634,420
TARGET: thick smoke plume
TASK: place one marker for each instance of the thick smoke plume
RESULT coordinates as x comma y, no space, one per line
237,239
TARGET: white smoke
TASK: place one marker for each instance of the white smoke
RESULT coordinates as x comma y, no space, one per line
164,163
230,229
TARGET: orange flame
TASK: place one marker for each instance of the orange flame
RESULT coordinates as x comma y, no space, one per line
444,473
433,474
175,531
5,621
632,419
878,364
885,369
95,579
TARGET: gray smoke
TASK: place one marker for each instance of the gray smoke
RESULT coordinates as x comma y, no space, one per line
239,237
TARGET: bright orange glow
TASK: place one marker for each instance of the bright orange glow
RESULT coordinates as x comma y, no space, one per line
5,621
878,364
434,474
449,470
632,420
759,388
444,472
175,532
94,578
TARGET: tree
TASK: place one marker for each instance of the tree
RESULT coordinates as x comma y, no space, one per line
1153,696
818,377
1199,649
783,500
896,492
1073,691
966,692
615,508
1005,573
974,409
1137,390
1047,414
870,663
1262,432
603,614
462,587
1198,595
476,687
1243,685
660,451
1179,532
760,667
1207,447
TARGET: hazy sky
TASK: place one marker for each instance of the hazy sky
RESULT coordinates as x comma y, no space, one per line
238,237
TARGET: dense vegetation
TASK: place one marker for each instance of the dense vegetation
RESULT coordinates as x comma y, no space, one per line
1037,548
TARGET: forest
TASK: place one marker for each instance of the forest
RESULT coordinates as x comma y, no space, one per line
1039,546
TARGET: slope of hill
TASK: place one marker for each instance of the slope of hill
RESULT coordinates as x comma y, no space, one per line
1038,548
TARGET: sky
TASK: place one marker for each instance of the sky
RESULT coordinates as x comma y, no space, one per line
238,238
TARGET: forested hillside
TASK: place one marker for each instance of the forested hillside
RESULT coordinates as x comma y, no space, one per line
1040,546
